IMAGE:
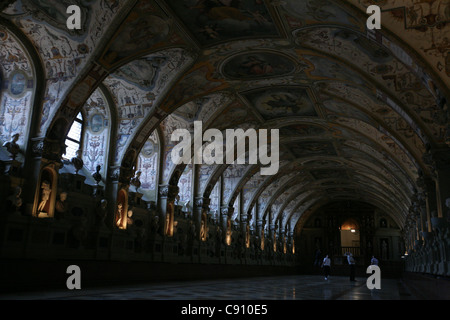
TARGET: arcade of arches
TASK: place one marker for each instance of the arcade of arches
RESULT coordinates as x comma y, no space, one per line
87,116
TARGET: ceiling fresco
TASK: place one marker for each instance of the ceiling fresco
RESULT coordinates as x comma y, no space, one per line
357,109
249,66
282,102
215,21
427,24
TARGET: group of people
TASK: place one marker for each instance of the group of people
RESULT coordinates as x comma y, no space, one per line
326,265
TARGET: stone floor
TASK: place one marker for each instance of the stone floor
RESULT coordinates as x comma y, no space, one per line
300,287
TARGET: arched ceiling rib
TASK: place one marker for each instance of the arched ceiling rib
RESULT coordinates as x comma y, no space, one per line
356,109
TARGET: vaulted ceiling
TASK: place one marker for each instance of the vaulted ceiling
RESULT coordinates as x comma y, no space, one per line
357,109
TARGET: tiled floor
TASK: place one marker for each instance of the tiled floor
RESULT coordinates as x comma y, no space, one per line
301,287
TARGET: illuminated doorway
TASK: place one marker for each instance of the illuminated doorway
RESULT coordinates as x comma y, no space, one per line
350,237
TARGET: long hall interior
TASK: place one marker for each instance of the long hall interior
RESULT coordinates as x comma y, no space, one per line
176,145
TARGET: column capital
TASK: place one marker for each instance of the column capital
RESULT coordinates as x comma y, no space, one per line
226,210
168,191
201,202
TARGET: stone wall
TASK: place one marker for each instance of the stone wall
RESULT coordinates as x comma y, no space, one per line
36,251
431,254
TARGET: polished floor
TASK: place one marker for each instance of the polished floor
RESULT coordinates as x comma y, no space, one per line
300,287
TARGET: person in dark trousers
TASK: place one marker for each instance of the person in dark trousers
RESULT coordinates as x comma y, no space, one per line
351,263
326,265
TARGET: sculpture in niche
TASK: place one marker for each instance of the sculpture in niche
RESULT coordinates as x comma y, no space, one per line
121,217
122,209
169,220
77,162
274,241
262,238
167,230
203,227
60,206
12,146
202,230
228,232
44,203
14,202
45,193
247,236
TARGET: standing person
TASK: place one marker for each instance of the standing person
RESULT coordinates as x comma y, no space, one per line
326,265
351,262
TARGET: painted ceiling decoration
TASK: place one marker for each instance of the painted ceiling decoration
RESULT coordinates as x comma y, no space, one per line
358,110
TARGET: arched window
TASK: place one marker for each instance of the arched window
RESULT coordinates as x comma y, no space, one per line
74,137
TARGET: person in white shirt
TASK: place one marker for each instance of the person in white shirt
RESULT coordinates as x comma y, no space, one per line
326,265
